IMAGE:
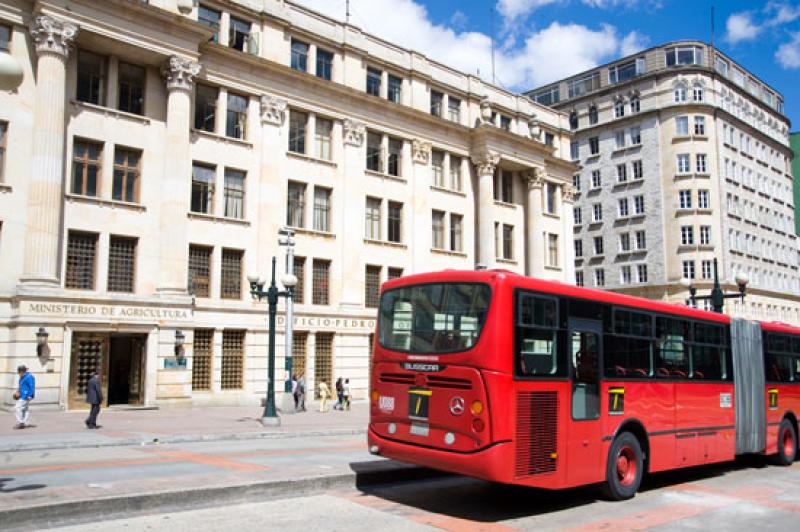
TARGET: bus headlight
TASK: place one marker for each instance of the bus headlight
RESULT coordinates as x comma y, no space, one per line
449,438
392,428
476,407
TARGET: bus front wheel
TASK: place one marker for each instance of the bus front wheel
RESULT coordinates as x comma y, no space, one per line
787,444
624,468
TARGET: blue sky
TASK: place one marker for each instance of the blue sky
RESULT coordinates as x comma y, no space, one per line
538,41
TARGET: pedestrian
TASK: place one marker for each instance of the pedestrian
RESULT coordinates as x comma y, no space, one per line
346,393
94,396
301,392
324,395
24,395
339,395
294,391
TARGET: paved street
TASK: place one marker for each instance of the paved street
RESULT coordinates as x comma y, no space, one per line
740,496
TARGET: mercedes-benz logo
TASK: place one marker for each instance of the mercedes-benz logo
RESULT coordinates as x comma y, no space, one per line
457,406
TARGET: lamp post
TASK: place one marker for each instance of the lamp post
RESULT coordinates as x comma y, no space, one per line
717,296
271,294
10,72
289,281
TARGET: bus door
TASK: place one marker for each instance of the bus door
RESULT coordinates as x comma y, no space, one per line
584,345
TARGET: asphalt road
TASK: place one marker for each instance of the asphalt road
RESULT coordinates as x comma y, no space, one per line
743,495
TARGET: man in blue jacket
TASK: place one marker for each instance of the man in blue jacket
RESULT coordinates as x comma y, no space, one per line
24,396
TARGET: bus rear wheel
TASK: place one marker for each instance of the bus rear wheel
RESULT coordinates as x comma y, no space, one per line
787,444
624,468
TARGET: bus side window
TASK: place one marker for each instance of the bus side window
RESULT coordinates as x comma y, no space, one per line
537,337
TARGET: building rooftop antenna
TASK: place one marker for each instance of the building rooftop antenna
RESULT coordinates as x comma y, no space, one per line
492,38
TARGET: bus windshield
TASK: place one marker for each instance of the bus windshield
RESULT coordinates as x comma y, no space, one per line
433,318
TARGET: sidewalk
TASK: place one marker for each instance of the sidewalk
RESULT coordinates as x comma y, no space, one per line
64,430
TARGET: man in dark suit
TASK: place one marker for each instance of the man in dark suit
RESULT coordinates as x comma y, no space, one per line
94,396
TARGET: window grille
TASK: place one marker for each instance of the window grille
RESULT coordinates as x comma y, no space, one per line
85,167
299,342
126,175
121,264
202,353
81,250
394,273
199,270
231,278
300,272
323,361
320,289
232,360
372,286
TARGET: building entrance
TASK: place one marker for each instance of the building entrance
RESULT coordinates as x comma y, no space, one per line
119,359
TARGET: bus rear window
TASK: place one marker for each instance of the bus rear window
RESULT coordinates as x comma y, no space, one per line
433,318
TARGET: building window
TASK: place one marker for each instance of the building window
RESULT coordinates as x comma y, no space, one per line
638,171
373,152
394,88
437,101
593,117
641,273
437,168
688,269
685,55
126,175
705,269
323,361
322,209
5,37
200,270
597,180
232,369
506,187
579,87
687,235
636,136
91,78
625,242
121,264
578,245
622,173
700,125
238,34
131,88
551,196
697,93
211,18
625,274
636,104
508,242
394,273
681,125
576,182
85,167
456,224
395,222
705,235
3,142
622,207
552,250
701,163
205,108
81,251
234,193
324,64
600,277
597,212
231,276
685,199
320,289
202,355
578,278
594,145
573,120
683,163
680,94
455,172
374,81
373,219
237,116
641,240
299,60
395,156
323,132
454,109
297,131
702,199
295,212
619,139
598,245
505,124
619,109
638,204
574,150
437,218
625,71
203,188
576,216
372,286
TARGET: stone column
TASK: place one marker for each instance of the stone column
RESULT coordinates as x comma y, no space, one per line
271,199
536,258
53,40
351,272
485,165
568,193
419,213
176,183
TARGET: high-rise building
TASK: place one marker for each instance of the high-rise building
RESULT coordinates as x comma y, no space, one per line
684,157
795,144
154,149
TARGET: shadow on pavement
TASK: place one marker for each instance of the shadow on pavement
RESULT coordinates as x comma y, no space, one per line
24,487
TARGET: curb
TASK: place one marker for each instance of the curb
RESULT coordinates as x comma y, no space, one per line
116,507
185,438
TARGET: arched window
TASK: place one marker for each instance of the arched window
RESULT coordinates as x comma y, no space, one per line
573,120
593,115
635,104
619,108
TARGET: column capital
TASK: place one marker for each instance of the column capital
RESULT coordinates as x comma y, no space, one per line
568,193
486,161
180,73
354,132
273,110
53,36
534,177
420,151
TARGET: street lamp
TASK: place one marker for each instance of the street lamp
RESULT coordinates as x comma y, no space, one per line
270,416
10,72
717,296
289,281
41,341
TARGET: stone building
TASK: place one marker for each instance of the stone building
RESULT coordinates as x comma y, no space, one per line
684,157
155,149
795,143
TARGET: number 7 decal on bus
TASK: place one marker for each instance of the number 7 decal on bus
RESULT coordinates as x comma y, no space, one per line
773,398
616,400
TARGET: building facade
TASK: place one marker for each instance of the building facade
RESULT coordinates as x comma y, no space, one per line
795,143
684,158
155,149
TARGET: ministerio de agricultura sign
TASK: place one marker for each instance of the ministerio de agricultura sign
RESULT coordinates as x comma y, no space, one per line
99,311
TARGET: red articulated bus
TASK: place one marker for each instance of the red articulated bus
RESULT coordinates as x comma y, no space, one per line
523,381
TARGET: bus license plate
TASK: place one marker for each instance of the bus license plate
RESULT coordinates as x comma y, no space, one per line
419,429
418,403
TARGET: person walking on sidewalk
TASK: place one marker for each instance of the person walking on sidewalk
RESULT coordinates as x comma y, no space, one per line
346,394
339,395
324,395
301,392
24,395
294,391
94,396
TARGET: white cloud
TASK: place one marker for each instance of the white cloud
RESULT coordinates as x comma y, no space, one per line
532,59
511,9
788,54
741,27
781,13
633,42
